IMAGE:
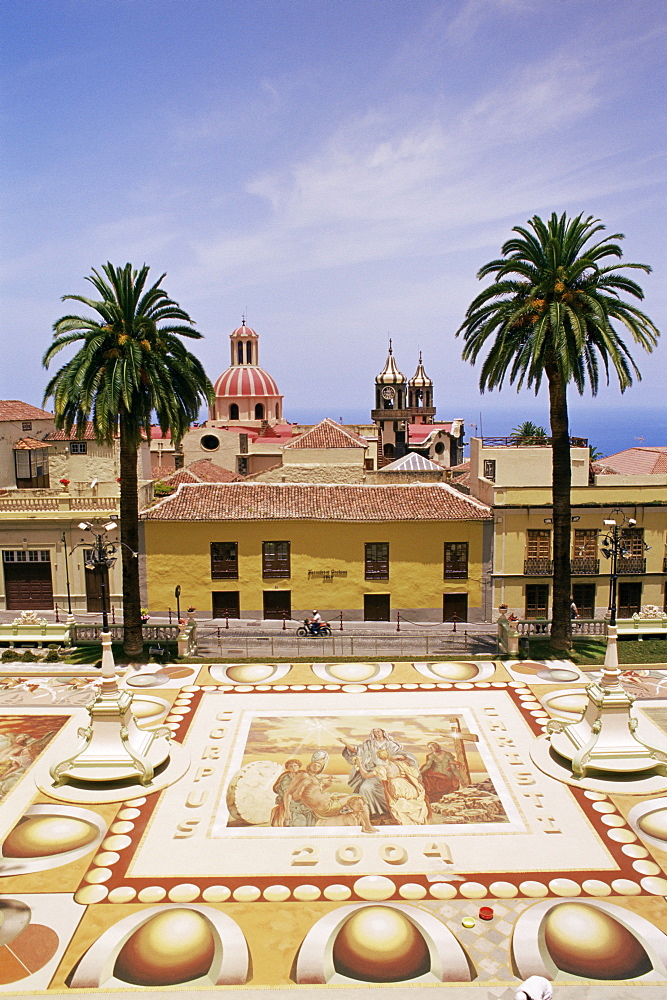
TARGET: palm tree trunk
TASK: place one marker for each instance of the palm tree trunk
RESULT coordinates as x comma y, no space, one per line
129,534
561,628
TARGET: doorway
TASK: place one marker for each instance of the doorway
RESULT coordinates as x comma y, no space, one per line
377,607
584,598
226,603
28,586
455,607
94,589
277,603
629,599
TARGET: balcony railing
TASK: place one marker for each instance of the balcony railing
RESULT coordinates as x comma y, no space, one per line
538,567
631,566
584,566
533,442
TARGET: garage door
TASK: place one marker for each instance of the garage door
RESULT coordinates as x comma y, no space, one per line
28,586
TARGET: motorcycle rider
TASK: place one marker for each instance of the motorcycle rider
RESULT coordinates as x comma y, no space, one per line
315,622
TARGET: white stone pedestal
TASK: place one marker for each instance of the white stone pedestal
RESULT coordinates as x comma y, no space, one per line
604,738
114,748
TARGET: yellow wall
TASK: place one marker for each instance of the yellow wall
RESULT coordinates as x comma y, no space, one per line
511,525
179,553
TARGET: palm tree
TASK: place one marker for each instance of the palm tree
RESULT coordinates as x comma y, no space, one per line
528,433
131,364
552,310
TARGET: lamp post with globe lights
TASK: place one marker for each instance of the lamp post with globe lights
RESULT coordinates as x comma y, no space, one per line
614,547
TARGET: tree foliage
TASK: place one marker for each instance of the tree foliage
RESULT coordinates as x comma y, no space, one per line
130,366
557,309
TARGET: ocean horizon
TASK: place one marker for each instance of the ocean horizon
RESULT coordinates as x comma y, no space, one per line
609,429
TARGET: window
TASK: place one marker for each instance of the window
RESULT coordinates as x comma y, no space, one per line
538,553
631,557
275,559
456,560
234,411
377,561
26,425
239,353
585,552
31,555
224,560
538,544
78,448
537,600
259,411
585,543
248,353
490,469
32,468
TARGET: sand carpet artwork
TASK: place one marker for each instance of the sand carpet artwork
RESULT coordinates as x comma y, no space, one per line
341,824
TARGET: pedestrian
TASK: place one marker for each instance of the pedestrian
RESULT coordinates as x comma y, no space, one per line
534,988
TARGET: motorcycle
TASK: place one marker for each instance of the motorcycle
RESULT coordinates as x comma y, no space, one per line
314,629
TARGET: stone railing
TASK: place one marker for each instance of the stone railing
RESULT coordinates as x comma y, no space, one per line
35,634
58,503
187,639
82,634
510,632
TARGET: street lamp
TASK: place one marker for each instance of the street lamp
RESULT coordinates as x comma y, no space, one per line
612,547
100,559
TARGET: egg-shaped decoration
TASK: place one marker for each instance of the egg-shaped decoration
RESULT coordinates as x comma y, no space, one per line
586,941
41,836
250,673
654,824
378,944
454,671
573,703
174,946
352,671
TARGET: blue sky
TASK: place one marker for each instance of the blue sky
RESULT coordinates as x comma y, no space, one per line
337,170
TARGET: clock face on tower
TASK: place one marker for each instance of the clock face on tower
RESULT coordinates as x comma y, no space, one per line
388,392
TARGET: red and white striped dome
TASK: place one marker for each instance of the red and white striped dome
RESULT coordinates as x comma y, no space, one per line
245,380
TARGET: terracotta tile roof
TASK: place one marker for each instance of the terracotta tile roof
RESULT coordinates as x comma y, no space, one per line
162,471
89,434
14,409
295,501
328,434
418,433
642,461
202,471
30,444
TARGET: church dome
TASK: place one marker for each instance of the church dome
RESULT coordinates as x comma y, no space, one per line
245,392
390,374
246,380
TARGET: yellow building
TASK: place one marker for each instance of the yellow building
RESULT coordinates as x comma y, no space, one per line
515,479
264,550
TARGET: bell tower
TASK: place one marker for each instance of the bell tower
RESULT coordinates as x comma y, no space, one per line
420,396
390,413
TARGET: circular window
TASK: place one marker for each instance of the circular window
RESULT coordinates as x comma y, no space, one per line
439,448
210,442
